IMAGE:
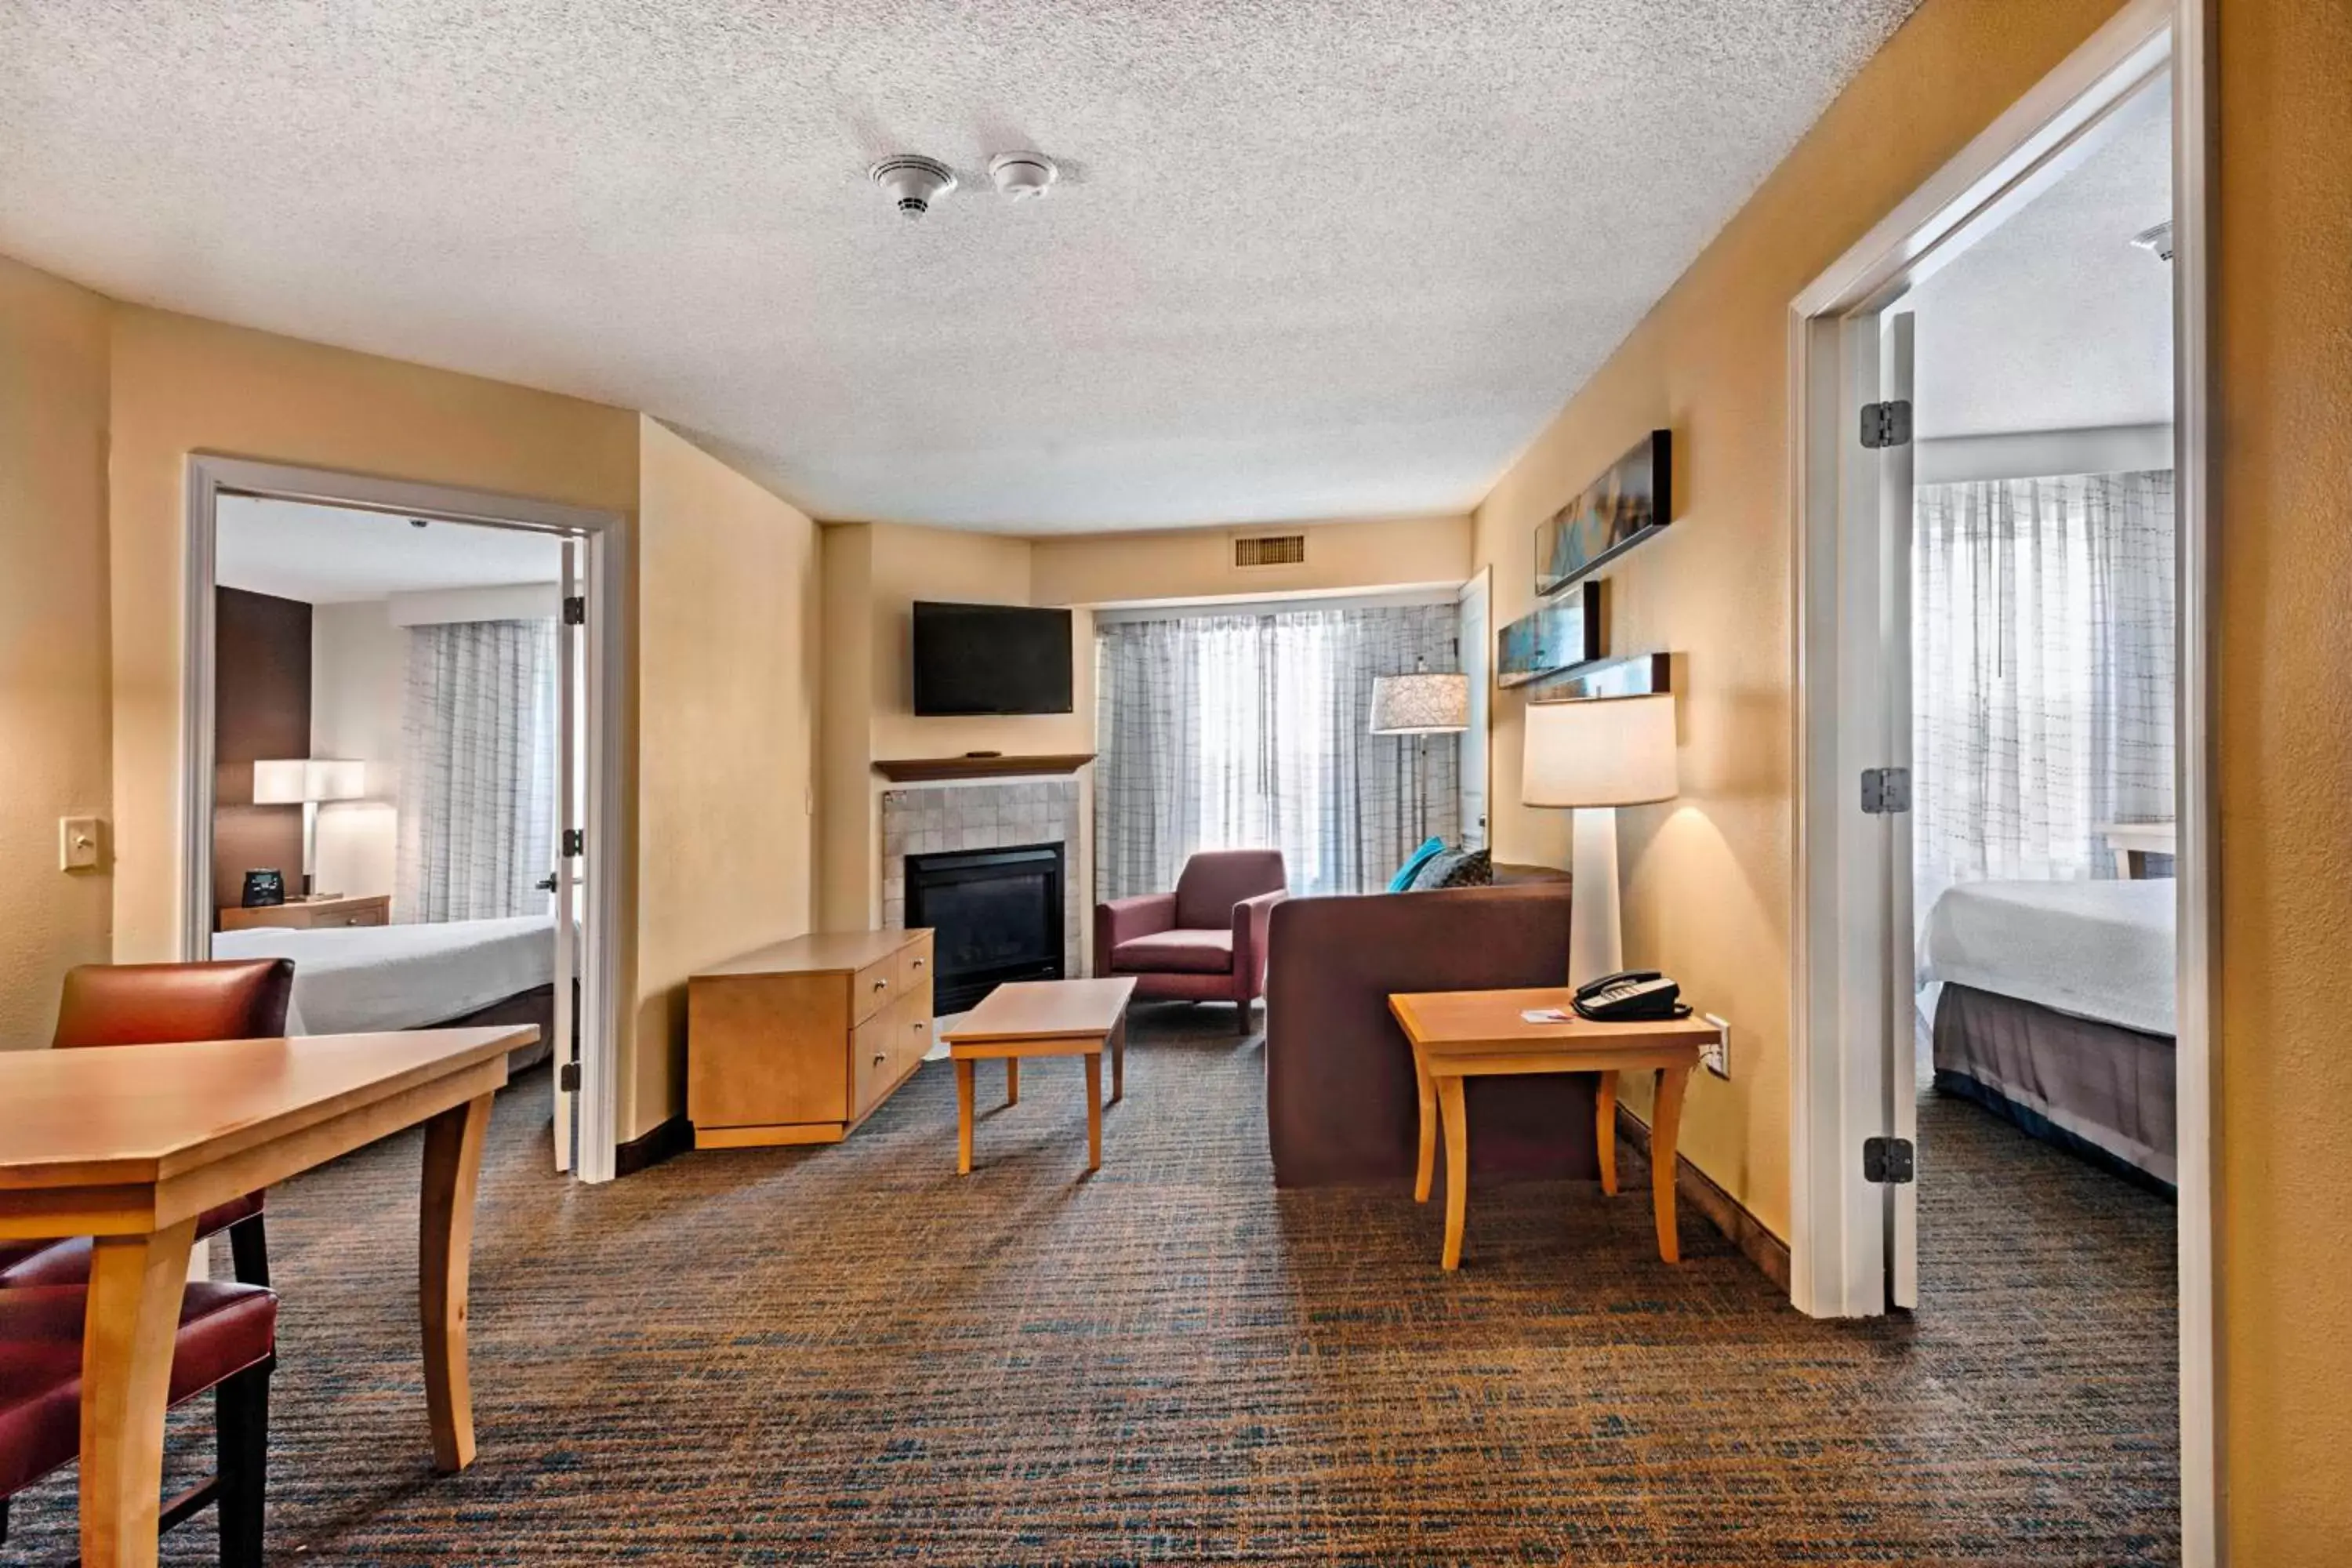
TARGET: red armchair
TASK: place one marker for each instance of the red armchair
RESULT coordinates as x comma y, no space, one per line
1203,943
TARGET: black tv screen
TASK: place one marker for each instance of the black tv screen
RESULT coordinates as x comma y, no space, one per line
991,658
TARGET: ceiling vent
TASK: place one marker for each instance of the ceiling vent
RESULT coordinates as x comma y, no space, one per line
1271,549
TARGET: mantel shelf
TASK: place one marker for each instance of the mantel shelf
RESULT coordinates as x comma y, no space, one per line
921,769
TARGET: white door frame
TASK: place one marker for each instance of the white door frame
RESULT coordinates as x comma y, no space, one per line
1838,1242
210,477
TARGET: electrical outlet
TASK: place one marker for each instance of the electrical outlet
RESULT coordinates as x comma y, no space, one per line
78,848
1715,1054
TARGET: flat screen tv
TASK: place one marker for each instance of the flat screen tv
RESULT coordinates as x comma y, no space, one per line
991,658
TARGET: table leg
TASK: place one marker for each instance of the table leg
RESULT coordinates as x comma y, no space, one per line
453,1169
1665,1122
1119,1060
1457,1165
1425,1169
1013,1080
1093,1111
964,1095
131,1322
1605,1131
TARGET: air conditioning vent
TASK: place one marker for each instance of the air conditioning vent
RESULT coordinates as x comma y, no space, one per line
1271,549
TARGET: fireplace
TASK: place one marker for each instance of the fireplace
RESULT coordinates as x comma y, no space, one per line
997,914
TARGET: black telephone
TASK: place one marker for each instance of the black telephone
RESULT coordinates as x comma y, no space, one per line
1630,995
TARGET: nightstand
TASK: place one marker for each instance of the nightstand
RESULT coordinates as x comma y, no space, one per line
311,914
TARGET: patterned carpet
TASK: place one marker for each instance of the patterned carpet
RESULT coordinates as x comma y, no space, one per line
850,1355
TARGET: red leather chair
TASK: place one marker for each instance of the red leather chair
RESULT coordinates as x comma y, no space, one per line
1203,943
227,1341
154,1004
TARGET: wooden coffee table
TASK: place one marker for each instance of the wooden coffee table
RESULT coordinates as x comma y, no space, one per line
1041,1018
1480,1034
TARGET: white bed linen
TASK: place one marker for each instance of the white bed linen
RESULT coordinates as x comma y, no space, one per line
352,979
2097,949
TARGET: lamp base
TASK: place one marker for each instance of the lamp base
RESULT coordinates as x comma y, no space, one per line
1595,941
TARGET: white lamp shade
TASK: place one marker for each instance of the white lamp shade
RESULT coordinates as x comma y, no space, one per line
295,780
1420,704
1616,751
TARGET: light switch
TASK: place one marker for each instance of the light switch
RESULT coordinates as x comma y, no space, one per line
77,843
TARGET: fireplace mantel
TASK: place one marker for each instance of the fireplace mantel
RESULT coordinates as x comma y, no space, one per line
927,770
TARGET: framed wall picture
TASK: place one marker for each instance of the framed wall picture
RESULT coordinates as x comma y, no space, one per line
1551,637
1624,506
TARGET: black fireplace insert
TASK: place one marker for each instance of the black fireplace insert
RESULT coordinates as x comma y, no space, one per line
996,915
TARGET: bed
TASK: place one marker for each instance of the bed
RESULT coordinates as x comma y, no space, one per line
2056,1010
353,979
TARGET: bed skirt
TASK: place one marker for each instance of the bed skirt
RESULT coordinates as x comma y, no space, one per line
536,1006
2100,1090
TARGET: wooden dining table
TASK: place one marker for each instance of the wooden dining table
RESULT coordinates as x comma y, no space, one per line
128,1144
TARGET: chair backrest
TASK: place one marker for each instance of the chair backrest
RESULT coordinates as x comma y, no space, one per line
150,1004
1215,880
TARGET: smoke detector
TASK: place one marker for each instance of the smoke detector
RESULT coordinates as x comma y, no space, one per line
913,181
1022,176
2158,239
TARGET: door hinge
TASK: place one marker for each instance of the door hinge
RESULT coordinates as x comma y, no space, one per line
567,1078
575,843
575,610
1885,790
1886,424
1891,1161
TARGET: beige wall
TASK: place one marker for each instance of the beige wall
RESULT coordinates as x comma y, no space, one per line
1198,564
2284,681
727,654
1708,879
359,671
183,385
53,637
874,572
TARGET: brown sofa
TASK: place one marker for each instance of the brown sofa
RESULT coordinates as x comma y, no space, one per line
1340,1099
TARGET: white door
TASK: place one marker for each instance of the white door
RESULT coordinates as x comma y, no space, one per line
1476,649
564,882
1895,510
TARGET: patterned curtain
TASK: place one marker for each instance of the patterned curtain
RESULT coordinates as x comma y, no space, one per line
478,771
1236,731
2042,660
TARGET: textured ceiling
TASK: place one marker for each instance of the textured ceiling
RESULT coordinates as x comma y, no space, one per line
2055,321
1319,258
332,556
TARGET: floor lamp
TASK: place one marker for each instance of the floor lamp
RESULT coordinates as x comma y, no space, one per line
1594,755
1421,705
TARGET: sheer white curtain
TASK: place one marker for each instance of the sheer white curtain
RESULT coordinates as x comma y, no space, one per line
1231,731
478,771
2042,660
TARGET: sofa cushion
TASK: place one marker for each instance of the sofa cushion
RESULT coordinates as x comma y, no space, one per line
1476,869
1414,862
1176,952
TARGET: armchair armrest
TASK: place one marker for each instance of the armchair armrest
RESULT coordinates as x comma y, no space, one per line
1251,917
1123,920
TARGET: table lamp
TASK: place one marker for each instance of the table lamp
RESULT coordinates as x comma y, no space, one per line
1593,756
305,781
1420,704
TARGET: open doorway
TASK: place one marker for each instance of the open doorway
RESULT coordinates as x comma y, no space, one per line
2002,564
399,744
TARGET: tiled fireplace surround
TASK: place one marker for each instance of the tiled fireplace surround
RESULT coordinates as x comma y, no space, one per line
921,819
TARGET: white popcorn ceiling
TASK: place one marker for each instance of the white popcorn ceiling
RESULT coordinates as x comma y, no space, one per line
1314,258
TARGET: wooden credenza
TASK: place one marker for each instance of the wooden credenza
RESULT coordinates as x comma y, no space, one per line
311,914
798,1043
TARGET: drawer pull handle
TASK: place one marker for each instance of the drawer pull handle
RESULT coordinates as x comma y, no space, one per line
919,964
881,985
878,1058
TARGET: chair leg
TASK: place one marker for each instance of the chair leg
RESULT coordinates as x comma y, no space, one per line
249,1251
1242,1017
241,1407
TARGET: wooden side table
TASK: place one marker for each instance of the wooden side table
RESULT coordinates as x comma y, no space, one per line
311,914
1480,1034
